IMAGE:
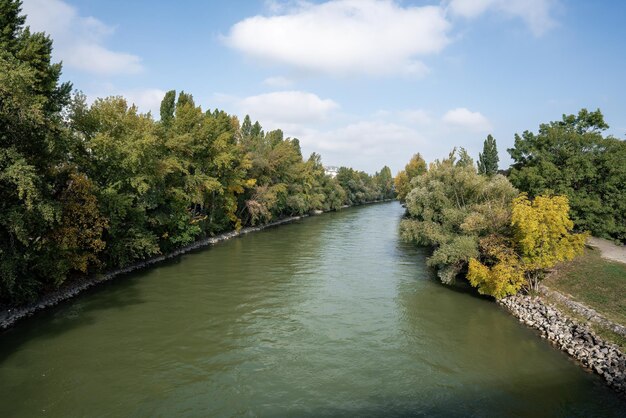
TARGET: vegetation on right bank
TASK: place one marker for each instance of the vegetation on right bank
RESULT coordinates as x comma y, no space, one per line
594,281
504,230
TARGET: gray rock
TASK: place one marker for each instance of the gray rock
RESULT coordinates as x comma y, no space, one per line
577,340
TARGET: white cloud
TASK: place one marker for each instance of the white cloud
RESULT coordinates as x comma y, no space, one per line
344,37
147,100
94,58
287,107
363,144
366,137
536,13
416,116
78,40
280,82
466,119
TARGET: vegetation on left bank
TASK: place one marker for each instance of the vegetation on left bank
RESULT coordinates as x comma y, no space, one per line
87,188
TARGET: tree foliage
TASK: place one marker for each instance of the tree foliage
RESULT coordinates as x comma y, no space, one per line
488,159
34,143
480,226
499,272
542,233
414,168
359,186
451,207
572,158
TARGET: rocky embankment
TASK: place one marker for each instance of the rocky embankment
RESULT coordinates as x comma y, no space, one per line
8,317
576,339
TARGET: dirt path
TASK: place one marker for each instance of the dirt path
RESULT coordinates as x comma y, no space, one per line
608,249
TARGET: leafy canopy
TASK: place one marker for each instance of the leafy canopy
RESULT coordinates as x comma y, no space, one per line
542,232
414,168
450,207
571,157
488,159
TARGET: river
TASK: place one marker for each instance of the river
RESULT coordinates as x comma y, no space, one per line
329,316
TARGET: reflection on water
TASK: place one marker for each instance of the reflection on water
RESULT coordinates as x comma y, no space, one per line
332,316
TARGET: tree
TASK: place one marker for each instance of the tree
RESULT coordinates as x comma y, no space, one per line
168,106
401,185
542,232
257,130
571,157
125,161
359,186
464,158
385,183
80,233
450,208
415,167
488,159
11,24
500,273
34,143
246,127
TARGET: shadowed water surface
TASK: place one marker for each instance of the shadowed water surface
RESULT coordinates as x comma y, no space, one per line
332,316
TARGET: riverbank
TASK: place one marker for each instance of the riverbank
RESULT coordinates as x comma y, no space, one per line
572,337
332,315
596,281
9,316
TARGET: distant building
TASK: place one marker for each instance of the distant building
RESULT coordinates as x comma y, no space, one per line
331,171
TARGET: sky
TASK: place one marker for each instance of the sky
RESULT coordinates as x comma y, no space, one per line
364,83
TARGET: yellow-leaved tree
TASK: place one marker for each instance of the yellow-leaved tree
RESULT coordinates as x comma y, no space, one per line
501,274
542,236
542,232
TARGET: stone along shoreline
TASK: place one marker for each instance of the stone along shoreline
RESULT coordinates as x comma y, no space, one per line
577,340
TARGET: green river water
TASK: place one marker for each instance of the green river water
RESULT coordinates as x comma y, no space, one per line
329,316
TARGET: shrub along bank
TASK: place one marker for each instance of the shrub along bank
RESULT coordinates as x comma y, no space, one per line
481,227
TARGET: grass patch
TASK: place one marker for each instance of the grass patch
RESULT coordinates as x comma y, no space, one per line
594,281
610,336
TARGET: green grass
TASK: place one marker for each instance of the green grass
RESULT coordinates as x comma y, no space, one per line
594,281
611,336
601,331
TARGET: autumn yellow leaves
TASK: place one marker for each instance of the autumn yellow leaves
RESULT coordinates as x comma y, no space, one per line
541,237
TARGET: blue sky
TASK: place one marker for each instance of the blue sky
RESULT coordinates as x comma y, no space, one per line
362,82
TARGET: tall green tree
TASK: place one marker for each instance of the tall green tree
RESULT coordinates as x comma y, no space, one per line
246,127
488,159
34,145
571,157
168,106
464,159
385,183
